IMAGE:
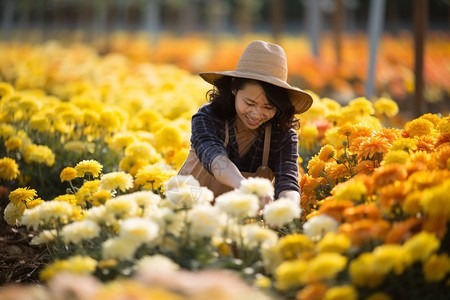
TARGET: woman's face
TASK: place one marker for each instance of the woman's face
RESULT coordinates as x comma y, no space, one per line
252,106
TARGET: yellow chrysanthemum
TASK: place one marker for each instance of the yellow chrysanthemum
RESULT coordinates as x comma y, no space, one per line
6,90
444,125
34,202
91,167
396,157
436,267
168,136
150,120
333,242
68,174
292,246
386,106
387,258
22,195
13,143
76,264
315,166
405,144
324,266
143,151
419,127
39,154
114,180
9,169
432,118
40,122
353,190
84,194
330,104
333,138
100,197
362,106
120,141
288,274
69,198
132,165
6,130
435,200
421,246
90,117
363,272
326,153
79,147
346,292
151,177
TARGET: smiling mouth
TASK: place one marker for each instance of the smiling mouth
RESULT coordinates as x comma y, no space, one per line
251,121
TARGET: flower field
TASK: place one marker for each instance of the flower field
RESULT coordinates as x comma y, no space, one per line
90,148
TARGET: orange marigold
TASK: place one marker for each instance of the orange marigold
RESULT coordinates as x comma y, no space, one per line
336,171
365,167
442,139
326,153
388,174
442,157
315,166
372,145
388,133
426,142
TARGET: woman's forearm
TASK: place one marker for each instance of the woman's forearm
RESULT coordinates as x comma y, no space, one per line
290,194
226,172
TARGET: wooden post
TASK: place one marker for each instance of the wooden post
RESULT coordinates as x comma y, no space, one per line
375,28
277,18
420,12
313,20
337,29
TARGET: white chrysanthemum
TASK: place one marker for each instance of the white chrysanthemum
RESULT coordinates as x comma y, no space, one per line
31,218
168,221
119,248
238,204
256,236
156,263
316,227
281,212
13,213
271,257
96,214
114,180
79,231
205,221
262,187
145,198
46,212
139,230
179,181
184,196
120,208
55,210
206,196
45,237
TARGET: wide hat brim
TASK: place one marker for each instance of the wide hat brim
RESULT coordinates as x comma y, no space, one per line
301,100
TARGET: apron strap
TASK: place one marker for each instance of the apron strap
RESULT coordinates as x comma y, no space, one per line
268,132
227,135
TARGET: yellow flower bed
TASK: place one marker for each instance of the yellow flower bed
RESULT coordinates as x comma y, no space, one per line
102,143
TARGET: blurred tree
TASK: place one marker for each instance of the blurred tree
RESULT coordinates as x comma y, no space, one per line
277,18
7,18
246,12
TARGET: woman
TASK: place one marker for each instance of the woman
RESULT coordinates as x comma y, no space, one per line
247,129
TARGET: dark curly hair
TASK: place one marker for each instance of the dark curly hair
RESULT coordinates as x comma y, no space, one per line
222,101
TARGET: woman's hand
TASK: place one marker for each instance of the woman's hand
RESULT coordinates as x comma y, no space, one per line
226,172
264,201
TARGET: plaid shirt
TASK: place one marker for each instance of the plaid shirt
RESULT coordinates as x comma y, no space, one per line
207,139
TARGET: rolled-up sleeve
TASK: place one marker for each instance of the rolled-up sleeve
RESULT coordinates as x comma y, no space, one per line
208,133
285,163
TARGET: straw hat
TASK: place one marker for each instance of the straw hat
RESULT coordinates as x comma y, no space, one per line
265,62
